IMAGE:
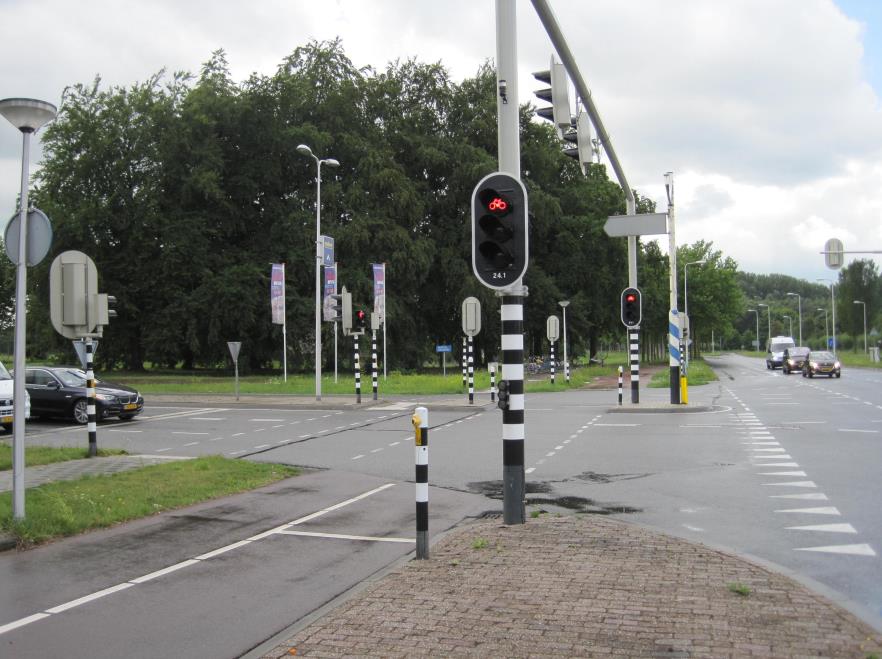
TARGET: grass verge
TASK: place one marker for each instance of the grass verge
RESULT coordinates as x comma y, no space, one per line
44,455
699,373
66,508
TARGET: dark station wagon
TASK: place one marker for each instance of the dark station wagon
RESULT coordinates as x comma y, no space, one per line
61,391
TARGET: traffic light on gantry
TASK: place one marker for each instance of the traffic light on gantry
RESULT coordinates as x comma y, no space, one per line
631,307
499,230
557,93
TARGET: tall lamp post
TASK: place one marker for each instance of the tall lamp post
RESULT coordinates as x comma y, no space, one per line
686,300
826,328
330,162
757,327
861,302
790,321
832,306
564,304
28,115
799,303
770,319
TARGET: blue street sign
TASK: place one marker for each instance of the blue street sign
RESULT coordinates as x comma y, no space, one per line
830,344
447,348
327,250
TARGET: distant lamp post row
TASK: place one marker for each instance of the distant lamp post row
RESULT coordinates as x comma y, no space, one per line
330,162
28,115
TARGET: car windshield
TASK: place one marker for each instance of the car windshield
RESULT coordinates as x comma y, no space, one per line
72,377
799,352
822,356
780,347
4,374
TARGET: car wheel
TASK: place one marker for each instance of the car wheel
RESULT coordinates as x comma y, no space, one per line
80,411
838,375
811,374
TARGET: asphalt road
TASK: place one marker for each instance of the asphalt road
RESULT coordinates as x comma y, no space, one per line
776,467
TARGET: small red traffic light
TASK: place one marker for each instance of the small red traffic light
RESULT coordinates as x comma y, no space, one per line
630,298
497,205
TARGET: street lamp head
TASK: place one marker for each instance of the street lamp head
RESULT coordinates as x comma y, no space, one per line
330,162
27,114
858,302
753,310
305,150
762,305
564,303
819,309
794,294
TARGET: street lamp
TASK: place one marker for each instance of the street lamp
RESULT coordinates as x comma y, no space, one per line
832,306
799,302
865,322
790,320
28,115
760,304
757,327
563,304
826,328
686,299
330,162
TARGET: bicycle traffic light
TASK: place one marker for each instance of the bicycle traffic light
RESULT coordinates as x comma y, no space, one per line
631,307
499,230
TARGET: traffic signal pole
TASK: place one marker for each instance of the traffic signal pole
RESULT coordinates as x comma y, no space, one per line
509,147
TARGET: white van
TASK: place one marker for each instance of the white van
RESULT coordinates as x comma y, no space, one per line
775,352
6,387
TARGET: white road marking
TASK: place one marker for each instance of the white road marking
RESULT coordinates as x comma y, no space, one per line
191,444
304,436
769,450
794,484
215,439
160,450
778,464
617,425
208,418
237,434
261,446
776,456
548,455
873,432
22,622
811,496
854,550
164,571
188,433
558,448
270,420
782,473
530,470
340,536
258,430
698,425
279,426
828,510
394,444
826,528
358,457
697,529
90,598
126,431
376,450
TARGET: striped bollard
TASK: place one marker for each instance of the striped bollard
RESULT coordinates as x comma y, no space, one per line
513,486
635,365
357,363
493,384
684,389
374,363
552,363
420,422
471,372
674,355
90,401
567,369
465,361
620,385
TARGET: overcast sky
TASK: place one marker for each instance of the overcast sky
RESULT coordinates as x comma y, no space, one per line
767,111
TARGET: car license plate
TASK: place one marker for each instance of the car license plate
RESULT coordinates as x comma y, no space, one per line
6,419
131,406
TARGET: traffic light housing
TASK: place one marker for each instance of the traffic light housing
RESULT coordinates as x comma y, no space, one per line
502,395
361,321
580,141
336,308
346,313
632,309
500,239
557,94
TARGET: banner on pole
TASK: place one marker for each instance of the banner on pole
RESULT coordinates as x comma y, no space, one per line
380,291
330,289
277,293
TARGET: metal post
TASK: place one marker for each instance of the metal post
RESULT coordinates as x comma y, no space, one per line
385,352
621,378
318,274
420,422
833,322
465,361
635,364
673,314
684,387
90,400
374,368
284,330
552,362
513,489
471,371
236,362
492,384
18,390
335,352
566,359
357,370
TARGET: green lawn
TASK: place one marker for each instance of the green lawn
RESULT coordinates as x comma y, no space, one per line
43,455
699,374
66,508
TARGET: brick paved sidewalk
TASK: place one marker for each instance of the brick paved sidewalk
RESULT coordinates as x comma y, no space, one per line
581,586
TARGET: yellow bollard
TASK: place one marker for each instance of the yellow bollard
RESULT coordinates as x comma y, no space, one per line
684,390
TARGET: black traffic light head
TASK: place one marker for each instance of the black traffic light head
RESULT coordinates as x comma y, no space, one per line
632,310
502,395
499,230
361,320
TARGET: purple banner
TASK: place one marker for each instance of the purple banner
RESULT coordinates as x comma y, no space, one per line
277,293
330,289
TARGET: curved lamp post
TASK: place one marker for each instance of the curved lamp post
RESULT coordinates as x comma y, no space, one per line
28,115
330,162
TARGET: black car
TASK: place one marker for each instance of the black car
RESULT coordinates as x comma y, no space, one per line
61,391
794,359
819,362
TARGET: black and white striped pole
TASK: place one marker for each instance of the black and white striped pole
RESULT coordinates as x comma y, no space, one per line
552,331
420,422
632,312
374,361
513,486
620,385
471,326
493,382
90,400
465,362
552,363
634,343
357,363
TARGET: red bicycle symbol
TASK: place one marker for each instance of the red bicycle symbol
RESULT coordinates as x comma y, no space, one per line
498,204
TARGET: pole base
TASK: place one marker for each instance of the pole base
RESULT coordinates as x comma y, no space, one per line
422,545
513,494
